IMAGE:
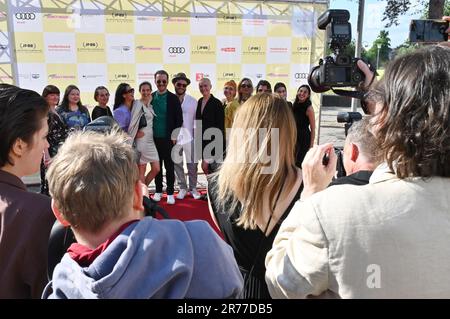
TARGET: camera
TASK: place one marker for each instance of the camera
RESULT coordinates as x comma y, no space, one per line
428,31
338,69
348,118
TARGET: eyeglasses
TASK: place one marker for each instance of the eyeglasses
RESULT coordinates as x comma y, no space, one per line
181,85
249,86
130,91
161,82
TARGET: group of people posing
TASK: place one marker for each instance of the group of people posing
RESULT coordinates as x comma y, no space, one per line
286,234
160,119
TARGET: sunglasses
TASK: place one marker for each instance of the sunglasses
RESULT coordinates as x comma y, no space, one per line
249,86
181,85
130,91
161,82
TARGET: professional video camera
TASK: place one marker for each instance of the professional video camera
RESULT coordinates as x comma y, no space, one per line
348,118
337,70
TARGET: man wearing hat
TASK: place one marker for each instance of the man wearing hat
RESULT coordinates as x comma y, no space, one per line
185,142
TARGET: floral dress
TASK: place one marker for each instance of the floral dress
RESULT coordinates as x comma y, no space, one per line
57,134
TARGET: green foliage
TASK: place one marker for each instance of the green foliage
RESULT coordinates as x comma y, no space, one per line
384,42
395,8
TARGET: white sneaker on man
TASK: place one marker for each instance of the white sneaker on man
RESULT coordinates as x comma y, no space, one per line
170,199
195,194
157,197
181,194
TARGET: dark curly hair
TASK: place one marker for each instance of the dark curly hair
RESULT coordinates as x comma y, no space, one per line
414,121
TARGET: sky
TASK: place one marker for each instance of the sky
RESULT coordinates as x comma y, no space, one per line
373,24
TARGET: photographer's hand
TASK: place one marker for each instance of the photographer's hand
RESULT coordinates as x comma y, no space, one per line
316,175
369,75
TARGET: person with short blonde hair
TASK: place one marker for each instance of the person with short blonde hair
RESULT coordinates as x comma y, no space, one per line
256,185
118,253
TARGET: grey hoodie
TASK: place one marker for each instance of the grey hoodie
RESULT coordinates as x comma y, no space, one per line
154,259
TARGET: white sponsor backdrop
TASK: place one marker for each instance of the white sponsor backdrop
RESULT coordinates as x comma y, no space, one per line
95,49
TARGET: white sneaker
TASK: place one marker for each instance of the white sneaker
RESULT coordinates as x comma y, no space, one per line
170,199
195,194
157,197
181,194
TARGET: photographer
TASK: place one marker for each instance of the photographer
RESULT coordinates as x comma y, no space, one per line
120,253
387,239
360,155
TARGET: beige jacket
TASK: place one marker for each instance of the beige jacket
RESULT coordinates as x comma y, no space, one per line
387,239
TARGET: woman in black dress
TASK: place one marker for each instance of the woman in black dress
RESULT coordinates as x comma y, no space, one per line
253,192
57,132
101,96
305,122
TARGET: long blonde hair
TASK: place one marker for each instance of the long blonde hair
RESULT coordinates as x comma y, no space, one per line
246,184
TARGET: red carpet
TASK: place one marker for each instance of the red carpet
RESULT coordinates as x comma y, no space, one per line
189,209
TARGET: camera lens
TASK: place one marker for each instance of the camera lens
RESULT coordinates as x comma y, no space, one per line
314,81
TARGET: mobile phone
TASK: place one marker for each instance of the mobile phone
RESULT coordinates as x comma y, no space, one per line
428,31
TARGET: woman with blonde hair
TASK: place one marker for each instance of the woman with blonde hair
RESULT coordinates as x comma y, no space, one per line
257,185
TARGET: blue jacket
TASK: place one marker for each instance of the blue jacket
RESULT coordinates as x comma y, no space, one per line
154,259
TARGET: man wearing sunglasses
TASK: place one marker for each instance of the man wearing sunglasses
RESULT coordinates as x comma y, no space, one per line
185,143
169,117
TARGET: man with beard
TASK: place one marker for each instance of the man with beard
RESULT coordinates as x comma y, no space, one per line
185,142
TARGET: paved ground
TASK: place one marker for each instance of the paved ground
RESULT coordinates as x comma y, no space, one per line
329,131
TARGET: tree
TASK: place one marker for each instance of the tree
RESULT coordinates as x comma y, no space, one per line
385,47
395,8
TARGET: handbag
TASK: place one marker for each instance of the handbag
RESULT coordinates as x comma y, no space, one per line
142,120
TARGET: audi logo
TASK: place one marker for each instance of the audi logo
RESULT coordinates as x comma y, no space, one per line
179,50
299,76
25,16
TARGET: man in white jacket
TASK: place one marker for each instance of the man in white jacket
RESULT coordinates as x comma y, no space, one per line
387,239
185,142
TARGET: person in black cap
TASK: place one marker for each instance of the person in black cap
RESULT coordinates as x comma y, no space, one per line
185,141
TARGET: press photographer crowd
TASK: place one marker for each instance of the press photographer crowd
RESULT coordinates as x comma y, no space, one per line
297,219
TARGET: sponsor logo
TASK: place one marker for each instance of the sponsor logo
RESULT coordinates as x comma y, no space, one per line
301,76
123,48
227,76
203,49
176,50
119,15
122,76
259,76
278,75
25,16
27,45
176,20
229,20
200,76
59,47
278,50
144,48
254,50
281,22
254,22
57,16
91,76
147,76
151,19
89,45
55,76
228,50
29,76
302,49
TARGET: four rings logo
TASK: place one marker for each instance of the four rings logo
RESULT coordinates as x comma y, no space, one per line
179,50
25,16
301,76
